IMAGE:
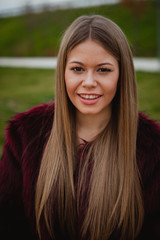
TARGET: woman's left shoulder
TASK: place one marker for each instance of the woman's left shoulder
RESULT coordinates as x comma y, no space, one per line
149,124
148,146
148,161
148,134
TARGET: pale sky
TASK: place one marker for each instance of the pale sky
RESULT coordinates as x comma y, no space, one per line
12,4
8,4
15,7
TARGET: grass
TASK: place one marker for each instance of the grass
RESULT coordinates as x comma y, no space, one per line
39,34
148,93
21,89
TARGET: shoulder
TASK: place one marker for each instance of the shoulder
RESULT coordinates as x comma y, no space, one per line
34,114
29,128
148,135
148,160
148,147
148,140
32,118
148,126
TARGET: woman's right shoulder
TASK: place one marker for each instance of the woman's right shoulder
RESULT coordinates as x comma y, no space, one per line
32,118
29,128
35,113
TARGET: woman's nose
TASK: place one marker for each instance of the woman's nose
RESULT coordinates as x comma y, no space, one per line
89,80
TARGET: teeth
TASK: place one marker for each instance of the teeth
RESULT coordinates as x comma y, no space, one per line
86,96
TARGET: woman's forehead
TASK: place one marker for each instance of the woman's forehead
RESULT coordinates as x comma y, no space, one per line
90,51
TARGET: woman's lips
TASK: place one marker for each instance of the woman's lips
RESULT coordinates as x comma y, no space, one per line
91,98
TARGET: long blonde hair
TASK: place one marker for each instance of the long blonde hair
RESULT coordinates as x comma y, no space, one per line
114,192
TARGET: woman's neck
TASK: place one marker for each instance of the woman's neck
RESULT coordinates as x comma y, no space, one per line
89,126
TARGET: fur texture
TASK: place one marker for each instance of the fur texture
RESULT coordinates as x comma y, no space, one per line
26,136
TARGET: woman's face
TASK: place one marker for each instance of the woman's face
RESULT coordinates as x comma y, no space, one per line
91,77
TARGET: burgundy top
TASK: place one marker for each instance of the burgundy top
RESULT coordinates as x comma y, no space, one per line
26,136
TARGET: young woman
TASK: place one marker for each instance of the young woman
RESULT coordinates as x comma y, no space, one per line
88,165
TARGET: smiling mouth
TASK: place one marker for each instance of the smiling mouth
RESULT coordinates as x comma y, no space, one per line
89,96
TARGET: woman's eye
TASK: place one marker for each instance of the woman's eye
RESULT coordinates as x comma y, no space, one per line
77,69
103,70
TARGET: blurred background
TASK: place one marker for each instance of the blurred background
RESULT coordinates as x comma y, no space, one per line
34,29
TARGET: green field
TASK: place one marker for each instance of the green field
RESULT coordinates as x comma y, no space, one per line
39,34
21,89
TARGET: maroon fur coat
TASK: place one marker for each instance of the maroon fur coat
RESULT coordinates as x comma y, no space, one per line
26,135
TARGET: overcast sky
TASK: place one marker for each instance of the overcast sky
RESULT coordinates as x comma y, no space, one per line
10,4
16,7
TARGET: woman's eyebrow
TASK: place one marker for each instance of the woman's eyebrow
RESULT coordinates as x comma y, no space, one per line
100,64
77,62
105,63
